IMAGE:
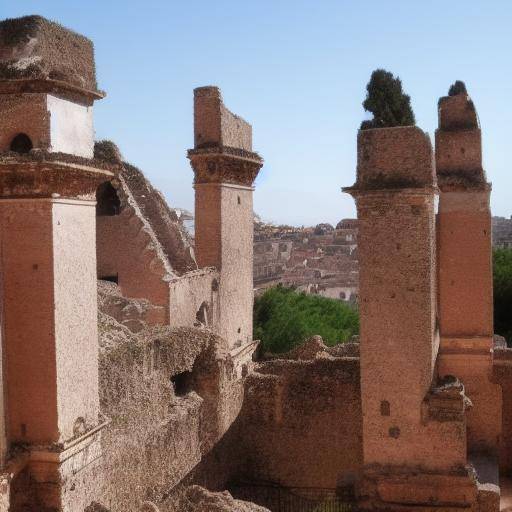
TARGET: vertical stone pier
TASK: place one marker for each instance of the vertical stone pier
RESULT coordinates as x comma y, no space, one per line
465,268
48,181
404,429
225,168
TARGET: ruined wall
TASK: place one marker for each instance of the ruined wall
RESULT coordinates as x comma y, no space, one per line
171,235
301,423
33,47
216,125
166,391
128,251
191,292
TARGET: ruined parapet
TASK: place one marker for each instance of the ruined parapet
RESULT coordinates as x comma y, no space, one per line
215,125
465,267
225,168
47,88
394,158
459,144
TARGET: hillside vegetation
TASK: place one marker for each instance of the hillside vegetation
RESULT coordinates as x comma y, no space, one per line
284,318
502,274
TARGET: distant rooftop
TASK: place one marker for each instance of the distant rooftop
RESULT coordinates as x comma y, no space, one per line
34,48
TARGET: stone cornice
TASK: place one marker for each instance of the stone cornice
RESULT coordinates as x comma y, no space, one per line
222,164
20,179
41,85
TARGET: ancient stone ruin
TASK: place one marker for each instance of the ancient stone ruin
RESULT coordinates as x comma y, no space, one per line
129,371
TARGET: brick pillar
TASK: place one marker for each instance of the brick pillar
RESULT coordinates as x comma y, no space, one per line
465,267
225,168
396,243
410,448
48,259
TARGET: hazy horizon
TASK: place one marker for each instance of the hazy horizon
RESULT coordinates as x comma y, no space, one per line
297,71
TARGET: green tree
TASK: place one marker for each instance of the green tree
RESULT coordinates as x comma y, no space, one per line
458,87
502,280
388,103
284,318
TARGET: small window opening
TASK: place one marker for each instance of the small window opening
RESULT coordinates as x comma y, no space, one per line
112,279
156,354
385,408
182,383
239,200
21,143
202,314
107,200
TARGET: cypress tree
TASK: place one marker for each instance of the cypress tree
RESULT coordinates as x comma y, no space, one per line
387,102
459,87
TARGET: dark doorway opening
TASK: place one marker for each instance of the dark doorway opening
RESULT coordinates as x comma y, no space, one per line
107,200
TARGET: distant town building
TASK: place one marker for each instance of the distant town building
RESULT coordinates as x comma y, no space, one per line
502,232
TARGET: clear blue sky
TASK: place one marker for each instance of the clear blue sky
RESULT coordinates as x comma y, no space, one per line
297,71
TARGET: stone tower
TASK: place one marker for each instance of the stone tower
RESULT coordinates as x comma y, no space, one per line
465,267
48,259
225,168
407,421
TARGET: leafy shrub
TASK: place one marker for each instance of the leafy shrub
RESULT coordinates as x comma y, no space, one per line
502,277
284,318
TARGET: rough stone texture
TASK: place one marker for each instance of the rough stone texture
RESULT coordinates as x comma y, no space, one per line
301,423
135,314
394,158
198,499
33,47
160,428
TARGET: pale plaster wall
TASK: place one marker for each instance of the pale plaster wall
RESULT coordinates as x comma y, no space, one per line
71,127
224,240
76,323
236,272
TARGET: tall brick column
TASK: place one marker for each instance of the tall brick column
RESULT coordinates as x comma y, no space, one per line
404,430
48,181
225,168
465,267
